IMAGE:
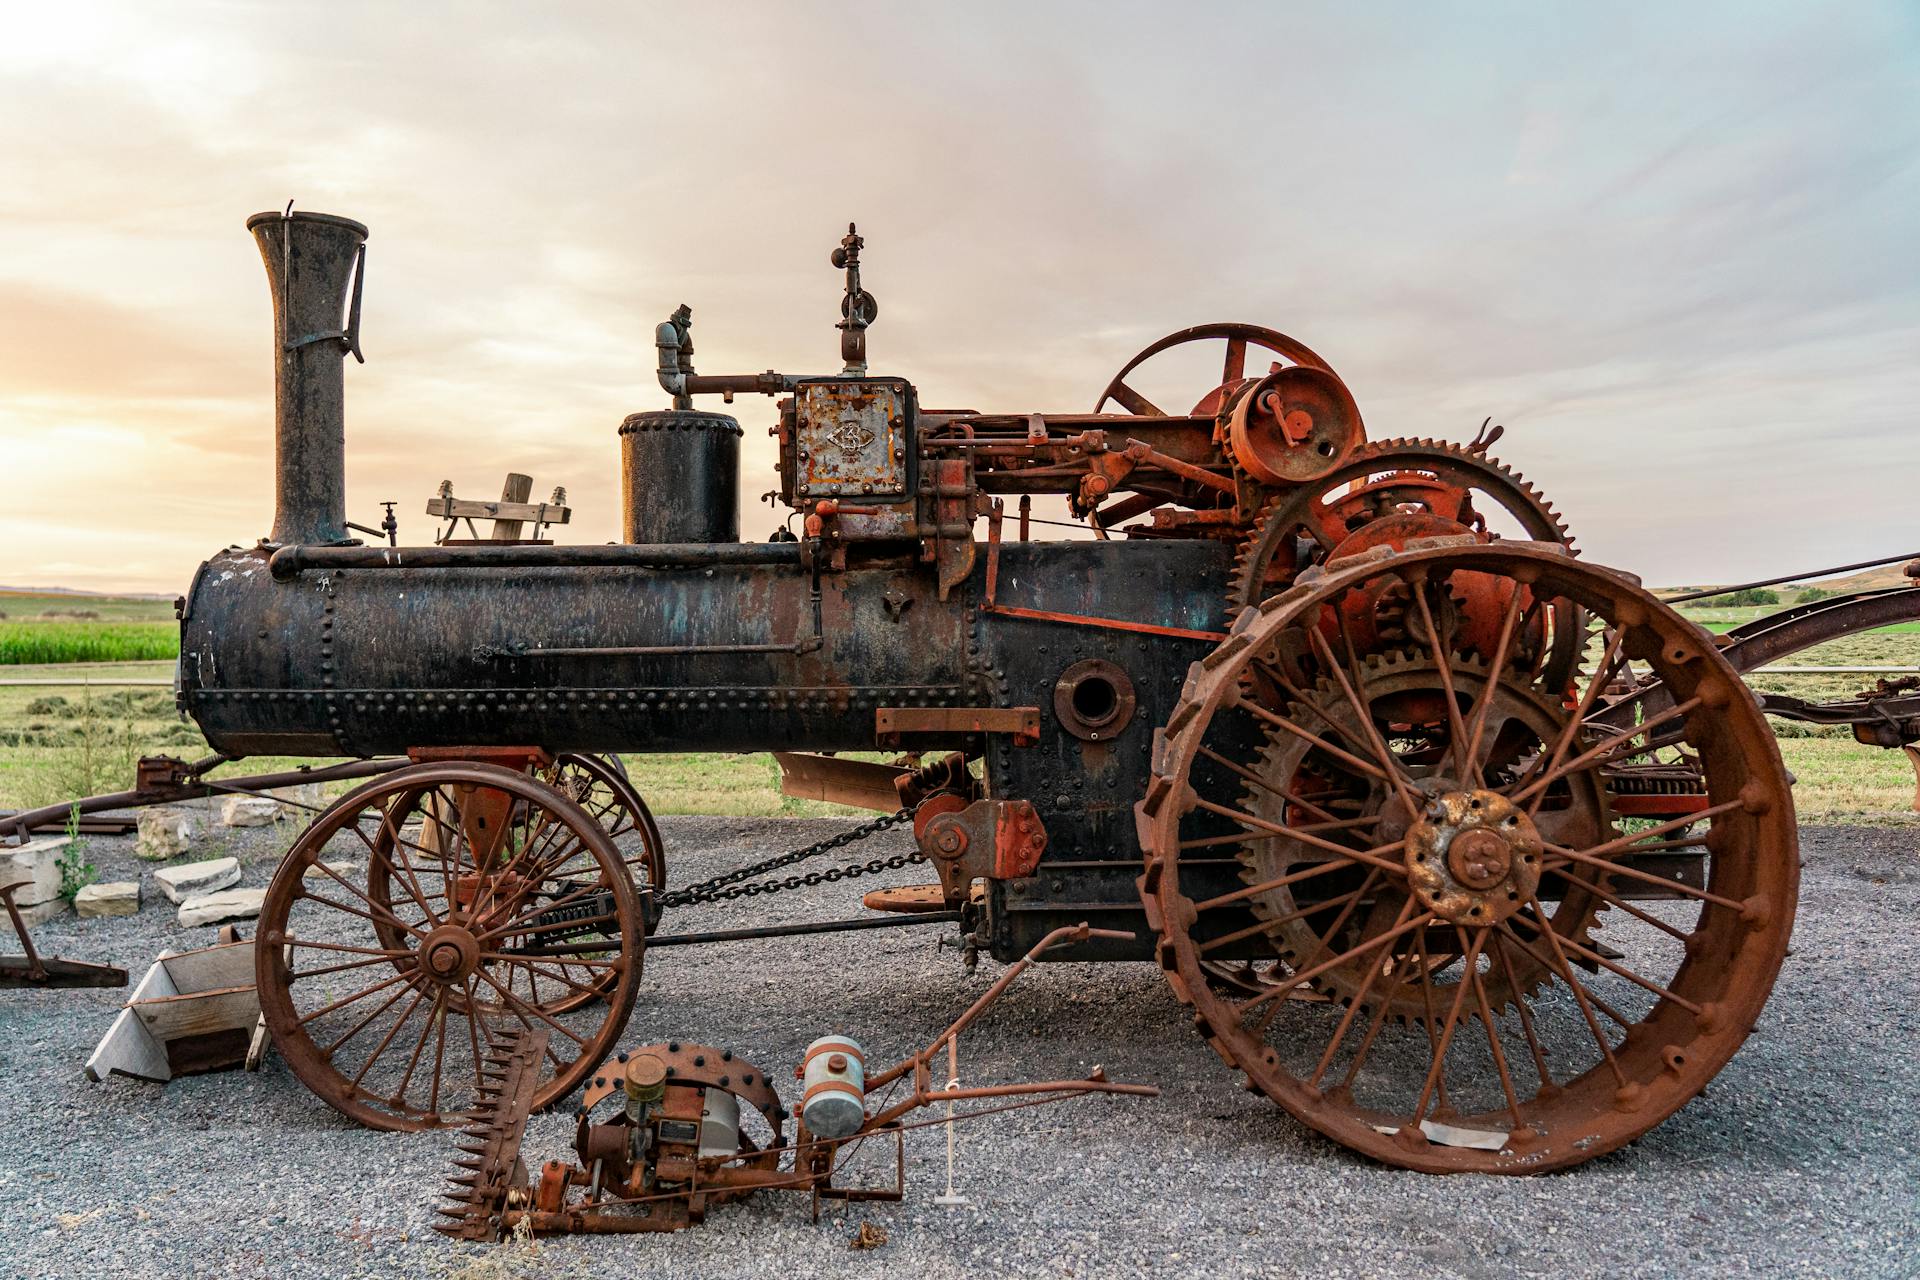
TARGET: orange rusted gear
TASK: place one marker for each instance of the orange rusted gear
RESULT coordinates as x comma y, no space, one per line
1393,492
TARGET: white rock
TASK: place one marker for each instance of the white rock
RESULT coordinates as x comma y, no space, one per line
304,802
191,879
164,833
36,865
230,904
249,811
111,898
345,870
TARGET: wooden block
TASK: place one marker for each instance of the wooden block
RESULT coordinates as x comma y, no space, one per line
517,490
230,964
199,1013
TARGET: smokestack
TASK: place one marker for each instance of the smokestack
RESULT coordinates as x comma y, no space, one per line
312,260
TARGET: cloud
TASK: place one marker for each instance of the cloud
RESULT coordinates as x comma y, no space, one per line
1671,249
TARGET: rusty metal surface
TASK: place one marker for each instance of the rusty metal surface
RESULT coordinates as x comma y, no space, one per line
679,477
893,725
850,438
488,1177
312,261
988,839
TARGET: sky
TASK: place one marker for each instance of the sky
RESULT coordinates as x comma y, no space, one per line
1674,249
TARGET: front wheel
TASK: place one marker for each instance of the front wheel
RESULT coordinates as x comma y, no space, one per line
488,901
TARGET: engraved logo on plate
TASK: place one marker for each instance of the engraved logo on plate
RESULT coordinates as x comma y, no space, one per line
851,436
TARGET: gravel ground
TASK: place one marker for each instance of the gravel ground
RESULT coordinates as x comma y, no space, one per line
1802,1160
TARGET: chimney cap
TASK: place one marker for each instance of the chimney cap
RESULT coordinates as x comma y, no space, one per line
302,215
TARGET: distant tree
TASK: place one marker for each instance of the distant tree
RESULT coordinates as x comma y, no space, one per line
1809,594
1750,596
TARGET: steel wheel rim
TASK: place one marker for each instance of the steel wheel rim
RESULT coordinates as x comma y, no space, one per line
614,796
1753,871
1238,337
609,796
389,1025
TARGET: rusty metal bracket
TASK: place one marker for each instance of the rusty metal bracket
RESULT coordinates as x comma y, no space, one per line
990,839
891,724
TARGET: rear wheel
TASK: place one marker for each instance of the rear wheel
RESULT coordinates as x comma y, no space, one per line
1507,977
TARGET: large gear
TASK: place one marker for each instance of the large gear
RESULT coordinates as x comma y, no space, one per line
1404,692
1388,494
1407,473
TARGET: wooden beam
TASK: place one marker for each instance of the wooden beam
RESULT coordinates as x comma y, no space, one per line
470,509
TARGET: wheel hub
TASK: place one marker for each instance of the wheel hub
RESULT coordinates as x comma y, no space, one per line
450,954
1473,857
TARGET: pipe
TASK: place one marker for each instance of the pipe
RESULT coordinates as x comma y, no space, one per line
20,824
311,260
289,562
1711,592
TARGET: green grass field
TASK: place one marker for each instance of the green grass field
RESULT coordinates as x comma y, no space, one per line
38,642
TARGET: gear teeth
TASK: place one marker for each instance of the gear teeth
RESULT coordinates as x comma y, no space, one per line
488,1146
1382,456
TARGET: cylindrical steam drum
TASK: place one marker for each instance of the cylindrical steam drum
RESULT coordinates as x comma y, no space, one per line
680,477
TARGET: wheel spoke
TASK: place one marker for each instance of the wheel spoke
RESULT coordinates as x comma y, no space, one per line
1477,721
1308,975
1456,726
1634,873
1241,771
1235,366
534,1009
1604,752
381,1048
1603,676
1493,1035
358,995
1622,903
1559,967
1268,926
1370,857
1520,1007
1389,763
386,917
1353,1008
1438,1068
294,975
1135,403
1614,966
1315,740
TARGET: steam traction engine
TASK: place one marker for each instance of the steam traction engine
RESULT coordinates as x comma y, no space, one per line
1468,853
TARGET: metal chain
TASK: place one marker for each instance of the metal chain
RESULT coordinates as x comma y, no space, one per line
726,887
